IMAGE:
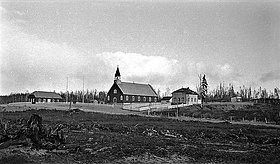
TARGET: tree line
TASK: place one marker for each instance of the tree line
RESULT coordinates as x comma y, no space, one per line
221,93
88,96
224,92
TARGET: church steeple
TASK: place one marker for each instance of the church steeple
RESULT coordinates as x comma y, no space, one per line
117,76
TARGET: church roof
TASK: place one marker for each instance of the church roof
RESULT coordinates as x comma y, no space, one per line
137,89
186,91
43,94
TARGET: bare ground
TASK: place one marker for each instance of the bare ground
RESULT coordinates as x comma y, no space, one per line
105,138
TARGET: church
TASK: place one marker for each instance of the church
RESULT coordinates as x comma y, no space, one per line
127,92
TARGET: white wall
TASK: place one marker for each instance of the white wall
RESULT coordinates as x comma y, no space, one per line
184,98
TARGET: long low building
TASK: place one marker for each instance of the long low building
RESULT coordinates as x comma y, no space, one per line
42,96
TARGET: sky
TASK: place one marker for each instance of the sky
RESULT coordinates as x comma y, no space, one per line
164,43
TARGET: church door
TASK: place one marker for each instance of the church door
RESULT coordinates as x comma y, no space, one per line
114,100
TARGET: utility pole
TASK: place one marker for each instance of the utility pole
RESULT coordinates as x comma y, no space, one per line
66,89
177,111
83,89
71,97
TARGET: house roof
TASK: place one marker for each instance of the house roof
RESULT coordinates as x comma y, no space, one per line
43,94
186,91
137,89
166,98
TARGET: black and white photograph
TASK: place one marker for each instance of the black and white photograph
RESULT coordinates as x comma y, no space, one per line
139,81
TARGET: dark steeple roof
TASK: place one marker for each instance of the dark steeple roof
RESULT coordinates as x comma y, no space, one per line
117,74
186,90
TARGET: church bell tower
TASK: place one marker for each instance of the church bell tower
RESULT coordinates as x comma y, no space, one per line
117,76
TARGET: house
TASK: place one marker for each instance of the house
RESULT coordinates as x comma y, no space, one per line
42,96
266,100
166,99
236,99
127,92
185,96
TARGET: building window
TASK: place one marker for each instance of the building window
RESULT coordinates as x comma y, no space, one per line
126,97
191,99
138,98
183,99
178,99
144,99
108,98
155,99
194,99
121,98
133,98
150,99
115,91
188,99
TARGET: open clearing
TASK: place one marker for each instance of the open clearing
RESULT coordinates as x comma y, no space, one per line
127,138
89,107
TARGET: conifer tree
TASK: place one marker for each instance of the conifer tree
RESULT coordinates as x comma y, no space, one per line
204,86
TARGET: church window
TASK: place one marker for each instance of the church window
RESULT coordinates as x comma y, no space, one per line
133,98
115,91
121,98
126,97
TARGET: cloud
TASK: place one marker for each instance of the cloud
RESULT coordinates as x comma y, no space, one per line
216,71
163,72
32,63
270,76
28,62
3,10
134,66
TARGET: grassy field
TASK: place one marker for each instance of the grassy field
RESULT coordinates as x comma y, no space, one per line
255,112
89,107
105,138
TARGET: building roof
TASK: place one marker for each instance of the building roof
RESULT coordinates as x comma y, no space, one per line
137,89
166,98
186,91
43,94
